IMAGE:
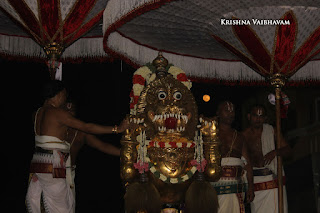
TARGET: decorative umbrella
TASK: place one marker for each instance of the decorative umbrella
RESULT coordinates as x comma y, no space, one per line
211,39
57,26
184,31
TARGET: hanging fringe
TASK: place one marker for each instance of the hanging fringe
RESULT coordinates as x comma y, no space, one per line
22,46
228,71
85,47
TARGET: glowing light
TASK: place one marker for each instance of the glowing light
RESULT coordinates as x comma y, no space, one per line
206,98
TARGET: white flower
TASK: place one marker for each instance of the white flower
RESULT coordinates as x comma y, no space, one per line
151,78
185,177
174,180
137,89
188,84
143,71
194,169
139,138
162,177
153,169
175,71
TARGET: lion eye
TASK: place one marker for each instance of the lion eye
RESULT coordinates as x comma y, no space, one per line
162,95
177,95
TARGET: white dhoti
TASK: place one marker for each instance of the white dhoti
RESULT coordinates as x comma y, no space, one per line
229,203
266,186
49,178
56,193
266,195
230,187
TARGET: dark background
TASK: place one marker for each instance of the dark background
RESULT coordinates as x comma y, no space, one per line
102,93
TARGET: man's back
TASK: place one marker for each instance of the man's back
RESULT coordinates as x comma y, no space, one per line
48,122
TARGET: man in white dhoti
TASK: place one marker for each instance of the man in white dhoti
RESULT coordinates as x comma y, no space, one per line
260,138
231,187
51,158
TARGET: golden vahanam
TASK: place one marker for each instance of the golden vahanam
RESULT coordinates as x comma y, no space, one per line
170,117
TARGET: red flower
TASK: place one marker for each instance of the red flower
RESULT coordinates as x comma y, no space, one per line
138,79
200,166
182,77
142,167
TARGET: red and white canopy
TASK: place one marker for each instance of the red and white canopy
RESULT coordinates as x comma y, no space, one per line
197,36
27,26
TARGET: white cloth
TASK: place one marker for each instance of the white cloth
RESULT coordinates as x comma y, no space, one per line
51,143
266,201
267,143
229,202
54,144
231,161
73,189
56,192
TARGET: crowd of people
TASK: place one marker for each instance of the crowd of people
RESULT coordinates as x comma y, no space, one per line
249,158
252,152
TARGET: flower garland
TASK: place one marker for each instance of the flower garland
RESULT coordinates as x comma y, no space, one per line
144,163
166,179
168,143
199,161
145,75
138,80
141,164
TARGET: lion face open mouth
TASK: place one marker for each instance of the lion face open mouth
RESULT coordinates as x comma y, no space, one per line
170,122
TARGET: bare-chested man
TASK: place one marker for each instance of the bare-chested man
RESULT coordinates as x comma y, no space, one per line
49,161
231,187
261,139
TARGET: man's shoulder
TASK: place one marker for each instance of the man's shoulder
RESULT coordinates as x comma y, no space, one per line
57,111
56,115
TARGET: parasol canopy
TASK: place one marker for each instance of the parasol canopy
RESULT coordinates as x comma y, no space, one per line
71,26
204,39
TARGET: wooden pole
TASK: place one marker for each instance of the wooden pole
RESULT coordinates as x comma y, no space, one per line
52,71
278,80
279,159
53,51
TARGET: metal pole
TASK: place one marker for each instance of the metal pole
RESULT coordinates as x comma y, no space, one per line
279,159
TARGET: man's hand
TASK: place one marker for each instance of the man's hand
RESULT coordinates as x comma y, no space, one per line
269,157
250,194
124,125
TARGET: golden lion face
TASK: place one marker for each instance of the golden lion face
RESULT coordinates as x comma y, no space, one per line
168,108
